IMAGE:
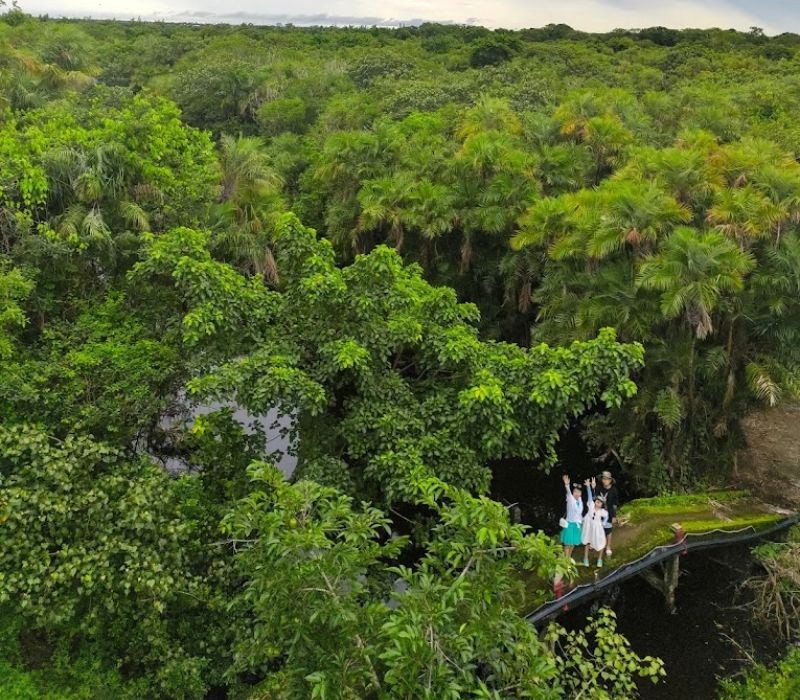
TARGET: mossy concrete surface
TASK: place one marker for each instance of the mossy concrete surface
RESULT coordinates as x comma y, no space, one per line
645,524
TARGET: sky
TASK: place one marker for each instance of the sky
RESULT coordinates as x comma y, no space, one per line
774,16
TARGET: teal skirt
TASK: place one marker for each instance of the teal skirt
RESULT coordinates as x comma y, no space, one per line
571,535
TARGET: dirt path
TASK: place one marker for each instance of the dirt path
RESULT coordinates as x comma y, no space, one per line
770,465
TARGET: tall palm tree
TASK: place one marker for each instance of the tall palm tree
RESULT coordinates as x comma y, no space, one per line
546,220
685,173
249,200
744,214
564,167
348,159
782,186
694,272
92,196
384,203
489,114
773,317
495,184
246,171
635,214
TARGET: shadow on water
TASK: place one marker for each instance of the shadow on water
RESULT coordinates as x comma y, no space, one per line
695,642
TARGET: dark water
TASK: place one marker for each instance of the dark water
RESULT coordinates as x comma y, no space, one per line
693,642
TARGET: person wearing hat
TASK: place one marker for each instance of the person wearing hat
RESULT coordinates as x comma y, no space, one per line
608,490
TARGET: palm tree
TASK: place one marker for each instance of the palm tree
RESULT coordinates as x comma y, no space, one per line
635,214
432,215
773,316
246,172
26,81
489,114
249,200
694,271
522,272
546,220
612,298
606,137
744,214
384,203
495,185
92,196
596,121
348,159
685,173
739,162
564,167
782,186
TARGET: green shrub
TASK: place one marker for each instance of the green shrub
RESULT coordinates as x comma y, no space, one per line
779,682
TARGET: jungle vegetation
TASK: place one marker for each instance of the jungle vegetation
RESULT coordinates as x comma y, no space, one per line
433,248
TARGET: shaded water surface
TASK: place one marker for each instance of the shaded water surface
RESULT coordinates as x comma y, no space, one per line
695,643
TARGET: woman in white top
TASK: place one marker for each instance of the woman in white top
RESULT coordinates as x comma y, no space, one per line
571,534
593,532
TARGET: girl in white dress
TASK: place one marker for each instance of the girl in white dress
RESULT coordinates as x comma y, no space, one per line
593,532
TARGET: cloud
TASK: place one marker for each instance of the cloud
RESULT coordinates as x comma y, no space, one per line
319,19
589,15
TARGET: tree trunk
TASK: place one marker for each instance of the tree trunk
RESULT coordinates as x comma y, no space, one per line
731,383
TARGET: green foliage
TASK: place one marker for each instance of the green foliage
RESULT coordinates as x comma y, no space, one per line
92,541
599,662
503,218
379,365
489,52
60,676
701,298
282,115
106,373
332,619
14,288
120,154
778,682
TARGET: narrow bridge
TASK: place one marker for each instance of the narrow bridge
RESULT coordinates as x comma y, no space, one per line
646,546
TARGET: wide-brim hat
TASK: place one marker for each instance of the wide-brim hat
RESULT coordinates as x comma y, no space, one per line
607,475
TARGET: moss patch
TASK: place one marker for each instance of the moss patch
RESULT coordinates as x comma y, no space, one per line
759,521
682,504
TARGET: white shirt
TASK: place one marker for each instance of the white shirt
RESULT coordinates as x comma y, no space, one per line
574,508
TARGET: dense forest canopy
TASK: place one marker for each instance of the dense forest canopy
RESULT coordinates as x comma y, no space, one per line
431,248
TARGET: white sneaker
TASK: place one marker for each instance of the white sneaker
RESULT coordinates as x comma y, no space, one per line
608,552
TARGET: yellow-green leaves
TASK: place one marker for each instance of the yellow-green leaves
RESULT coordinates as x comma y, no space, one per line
14,288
